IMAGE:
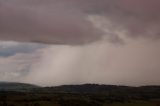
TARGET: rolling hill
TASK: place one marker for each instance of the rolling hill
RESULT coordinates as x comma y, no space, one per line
14,86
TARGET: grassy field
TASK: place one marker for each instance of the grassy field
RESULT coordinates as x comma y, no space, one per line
134,103
64,99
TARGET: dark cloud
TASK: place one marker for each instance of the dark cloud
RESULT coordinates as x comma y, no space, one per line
48,23
64,22
73,22
140,18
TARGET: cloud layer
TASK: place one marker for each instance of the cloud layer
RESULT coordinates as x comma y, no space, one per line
66,22
135,63
81,32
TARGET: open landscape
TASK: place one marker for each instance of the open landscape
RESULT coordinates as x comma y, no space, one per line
20,94
79,52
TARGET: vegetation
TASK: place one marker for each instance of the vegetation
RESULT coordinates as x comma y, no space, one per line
63,99
80,95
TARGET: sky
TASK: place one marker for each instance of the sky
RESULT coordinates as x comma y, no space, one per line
57,42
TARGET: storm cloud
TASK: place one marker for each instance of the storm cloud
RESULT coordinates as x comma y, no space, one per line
92,41
66,22
135,63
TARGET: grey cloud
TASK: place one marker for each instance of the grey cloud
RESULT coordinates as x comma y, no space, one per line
43,23
64,22
136,63
72,22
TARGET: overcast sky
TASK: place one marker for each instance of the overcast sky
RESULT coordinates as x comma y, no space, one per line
55,42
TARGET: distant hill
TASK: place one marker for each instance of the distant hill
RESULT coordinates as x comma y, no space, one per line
12,86
86,88
21,94
96,88
110,91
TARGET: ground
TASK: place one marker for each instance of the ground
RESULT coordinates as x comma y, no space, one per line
68,99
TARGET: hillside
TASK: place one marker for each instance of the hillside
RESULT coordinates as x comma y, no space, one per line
12,86
20,94
110,91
